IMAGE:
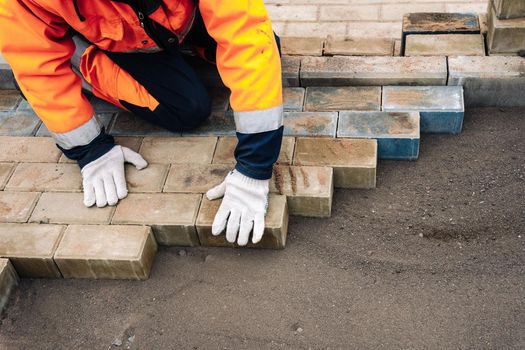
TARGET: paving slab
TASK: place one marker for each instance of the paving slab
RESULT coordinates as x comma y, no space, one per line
308,189
275,231
106,252
441,107
103,106
397,134
397,48
30,248
149,179
105,119
310,124
226,147
68,208
507,9
445,45
293,98
329,98
440,23
354,160
373,71
290,67
170,215
128,124
28,149
505,36
195,178
6,169
489,81
17,206
45,177
178,150
217,124
18,123
6,77
358,47
8,282
9,99
302,46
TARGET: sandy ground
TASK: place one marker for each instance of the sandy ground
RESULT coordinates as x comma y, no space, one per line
434,258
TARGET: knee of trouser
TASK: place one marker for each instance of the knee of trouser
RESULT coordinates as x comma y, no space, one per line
195,113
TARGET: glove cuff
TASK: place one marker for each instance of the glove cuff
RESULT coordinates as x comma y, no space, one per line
84,155
249,181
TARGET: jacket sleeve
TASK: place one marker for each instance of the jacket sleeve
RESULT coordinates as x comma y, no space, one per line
36,44
249,64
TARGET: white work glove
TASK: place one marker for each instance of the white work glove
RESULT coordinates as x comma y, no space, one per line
104,181
243,207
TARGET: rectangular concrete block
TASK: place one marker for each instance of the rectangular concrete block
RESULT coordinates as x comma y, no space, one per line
226,147
302,46
17,206
9,99
30,248
359,98
18,123
494,81
290,67
149,179
358,47
293,98
128,124
217,124
8,282
310,123
28,149
103,106
445,45
373,71
308,189
178,150
45,177
505,36
68,208
7,81
6,169
441,108
507,9
196,178
106,252
354,160
397,134
275,232
170,215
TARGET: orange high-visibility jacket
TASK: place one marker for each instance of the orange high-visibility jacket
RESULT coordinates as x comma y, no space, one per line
35,41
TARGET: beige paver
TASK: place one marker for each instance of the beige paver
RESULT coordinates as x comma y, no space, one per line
45,177
275,232
290,67
31,247
6,169
445,45
17,206
28,149
178,150
171,215
309,189
68,208
302,46
359,46
226,146
354,160
355,98
109,252
195,178
149,179
8,282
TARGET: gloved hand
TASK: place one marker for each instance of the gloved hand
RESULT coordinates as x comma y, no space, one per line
104,181
243,207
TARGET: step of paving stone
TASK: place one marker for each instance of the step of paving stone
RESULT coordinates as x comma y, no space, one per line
354,160
397,134
441,107
308,189
68,208
6,169
9,100
106,252
17,206
30,248
196,178
508,9
329,98
226,147
494,81
505,36
293,98
170,215
373,71
178,150
28,149
310,123
445,45
8,282
42,177
358,46
275,232
19,123
128,124
302,46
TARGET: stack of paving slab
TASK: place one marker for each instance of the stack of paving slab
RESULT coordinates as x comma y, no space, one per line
506,27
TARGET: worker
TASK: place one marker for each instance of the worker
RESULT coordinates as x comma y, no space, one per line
129,52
